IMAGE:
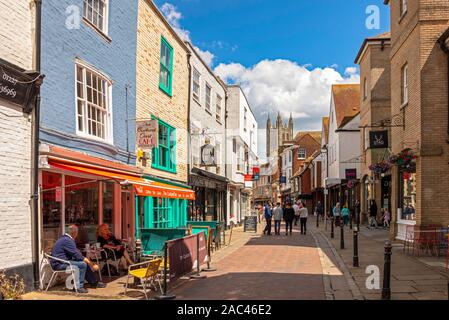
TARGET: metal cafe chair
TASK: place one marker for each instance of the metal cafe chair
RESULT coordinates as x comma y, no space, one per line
146,272
46,262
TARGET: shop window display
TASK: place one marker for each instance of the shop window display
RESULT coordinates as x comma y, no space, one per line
408,180
51,208
81,207
108,203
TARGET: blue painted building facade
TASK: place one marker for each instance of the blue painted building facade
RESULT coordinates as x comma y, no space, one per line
88,112
68,37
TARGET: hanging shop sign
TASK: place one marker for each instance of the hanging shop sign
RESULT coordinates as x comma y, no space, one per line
351,174
147,134
18,87
256,173
378,139
283,179
248,177
208,156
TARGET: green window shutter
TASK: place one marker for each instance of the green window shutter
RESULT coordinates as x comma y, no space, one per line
164,157
149,210
166,67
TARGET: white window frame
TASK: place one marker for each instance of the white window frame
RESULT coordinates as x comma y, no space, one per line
245,118
105,29
218,108
299,153
404,84
196,95
208,101
108,124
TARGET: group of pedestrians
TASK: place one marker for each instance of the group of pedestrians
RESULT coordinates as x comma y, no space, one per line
290,214
343,215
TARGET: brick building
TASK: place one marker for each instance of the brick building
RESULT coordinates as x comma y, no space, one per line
162,96
419,99
307,144
375,106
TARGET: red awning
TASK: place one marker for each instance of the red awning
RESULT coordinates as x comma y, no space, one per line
142,186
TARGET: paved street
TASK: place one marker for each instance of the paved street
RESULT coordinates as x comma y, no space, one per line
266,267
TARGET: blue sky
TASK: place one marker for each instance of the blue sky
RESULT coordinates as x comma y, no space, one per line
285,55
318,32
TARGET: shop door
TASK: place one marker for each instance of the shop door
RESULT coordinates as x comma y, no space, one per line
126,213
386,191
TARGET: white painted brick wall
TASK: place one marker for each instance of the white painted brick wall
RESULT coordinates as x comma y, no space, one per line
16,46
16,25
15,181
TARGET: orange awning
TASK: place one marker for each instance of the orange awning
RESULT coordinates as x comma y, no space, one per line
142,186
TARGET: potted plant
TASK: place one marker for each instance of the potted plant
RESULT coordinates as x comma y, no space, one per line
11,288
380,167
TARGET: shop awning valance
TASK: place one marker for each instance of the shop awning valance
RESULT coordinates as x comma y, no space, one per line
142,186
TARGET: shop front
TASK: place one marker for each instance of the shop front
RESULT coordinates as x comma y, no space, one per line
86,191
161,204
210,191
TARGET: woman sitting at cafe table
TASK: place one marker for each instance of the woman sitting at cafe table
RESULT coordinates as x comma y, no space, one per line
108,241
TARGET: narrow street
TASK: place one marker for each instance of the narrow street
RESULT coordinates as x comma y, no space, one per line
267,267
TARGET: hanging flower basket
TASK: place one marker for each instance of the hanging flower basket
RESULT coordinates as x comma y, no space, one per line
380,167
350,184
405,160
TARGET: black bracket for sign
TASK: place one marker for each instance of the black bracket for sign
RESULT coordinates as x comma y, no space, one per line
398,120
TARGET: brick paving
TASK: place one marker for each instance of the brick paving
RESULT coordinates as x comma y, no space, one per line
268,268
412,278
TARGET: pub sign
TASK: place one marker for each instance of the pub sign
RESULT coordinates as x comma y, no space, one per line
378,139
351,174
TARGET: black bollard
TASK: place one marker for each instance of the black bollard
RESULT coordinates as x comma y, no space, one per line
351,216
332,227
317,220
342,234
448,290
386,290
165,295
355,258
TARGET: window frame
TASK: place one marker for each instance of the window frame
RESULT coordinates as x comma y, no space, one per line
404,85
218,108
167,89
196,96
108,124
365,89
245,118
155,159
208,102
105,29
299,153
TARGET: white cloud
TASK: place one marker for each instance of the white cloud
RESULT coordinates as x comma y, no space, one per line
174,17
287,87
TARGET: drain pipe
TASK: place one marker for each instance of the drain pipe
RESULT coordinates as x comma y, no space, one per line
35,156
444,44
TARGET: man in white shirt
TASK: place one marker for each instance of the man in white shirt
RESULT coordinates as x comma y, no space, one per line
277,216
296,207
303,214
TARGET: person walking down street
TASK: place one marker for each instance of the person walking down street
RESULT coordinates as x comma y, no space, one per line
373,214
345,215
319,210
337,214
277,216
303,214
289,216
268,214
386,218
296,207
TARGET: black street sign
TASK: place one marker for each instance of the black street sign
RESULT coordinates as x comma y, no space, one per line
378,139
351,174
18,87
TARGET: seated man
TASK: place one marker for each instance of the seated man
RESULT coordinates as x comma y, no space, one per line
65,249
